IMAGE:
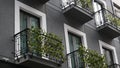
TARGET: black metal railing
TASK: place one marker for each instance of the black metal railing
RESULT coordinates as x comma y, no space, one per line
86,4
74,59
104,16
114,66
23,48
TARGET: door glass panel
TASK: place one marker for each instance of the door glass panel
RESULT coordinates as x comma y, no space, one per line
23,25
34,22
74,43
23,21
26,21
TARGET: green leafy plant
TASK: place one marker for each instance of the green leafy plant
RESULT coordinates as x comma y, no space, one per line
114,20
91,58
85,4
45,44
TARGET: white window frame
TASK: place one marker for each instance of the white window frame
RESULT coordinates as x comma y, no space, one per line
67,29
21,6
112,48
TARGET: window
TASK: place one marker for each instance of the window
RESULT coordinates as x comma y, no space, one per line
116,10
108,56
109,52
31,12
26,17
27,20
74,38
99,14
74,43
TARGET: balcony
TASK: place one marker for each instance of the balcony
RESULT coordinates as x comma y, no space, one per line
109,24
78,10
74,60
38,49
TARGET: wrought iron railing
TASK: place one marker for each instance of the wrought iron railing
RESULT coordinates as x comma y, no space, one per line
86,4
23,48
104,16
74,61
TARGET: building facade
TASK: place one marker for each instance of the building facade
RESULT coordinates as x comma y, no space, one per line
93,23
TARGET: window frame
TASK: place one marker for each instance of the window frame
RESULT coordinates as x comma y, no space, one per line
20,6
77,32
110,47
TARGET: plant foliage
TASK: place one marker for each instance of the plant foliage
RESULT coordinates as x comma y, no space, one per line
45,44
85,4
114,20
91,58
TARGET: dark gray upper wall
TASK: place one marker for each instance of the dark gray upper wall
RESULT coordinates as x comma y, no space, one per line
6,27
35,4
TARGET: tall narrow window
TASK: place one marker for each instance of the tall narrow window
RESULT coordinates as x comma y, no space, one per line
26,21
108,56
99,14
74,43
74,38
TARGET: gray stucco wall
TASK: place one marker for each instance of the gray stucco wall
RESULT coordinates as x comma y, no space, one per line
56,20
6,28
55,24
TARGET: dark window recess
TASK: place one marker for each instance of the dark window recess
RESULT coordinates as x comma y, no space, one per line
108,56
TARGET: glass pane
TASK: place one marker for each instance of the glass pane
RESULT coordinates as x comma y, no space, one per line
74,43
23,42
23,21
34,22
26,20
23,25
